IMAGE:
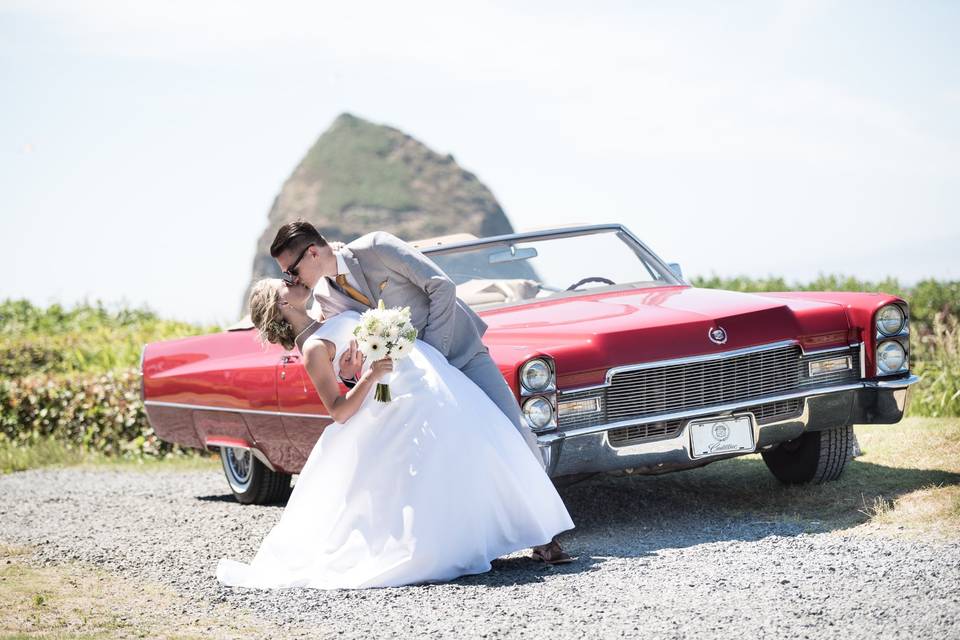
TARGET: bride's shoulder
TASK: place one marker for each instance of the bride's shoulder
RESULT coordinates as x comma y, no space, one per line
316,346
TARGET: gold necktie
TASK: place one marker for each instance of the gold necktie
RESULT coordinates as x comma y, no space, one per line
353,293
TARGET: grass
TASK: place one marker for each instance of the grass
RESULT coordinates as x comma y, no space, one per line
54,453
906,483
82,602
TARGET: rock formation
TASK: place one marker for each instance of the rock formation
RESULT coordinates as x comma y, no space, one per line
360,177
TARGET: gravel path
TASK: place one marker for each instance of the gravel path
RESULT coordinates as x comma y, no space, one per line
643,570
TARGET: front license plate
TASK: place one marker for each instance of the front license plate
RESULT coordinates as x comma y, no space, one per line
718,436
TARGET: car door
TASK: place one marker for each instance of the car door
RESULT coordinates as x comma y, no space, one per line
255,380
302,412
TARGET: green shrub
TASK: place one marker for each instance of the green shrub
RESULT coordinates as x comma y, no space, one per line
935,358
96,412
71,375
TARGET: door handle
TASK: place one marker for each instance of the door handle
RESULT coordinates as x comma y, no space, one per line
289,358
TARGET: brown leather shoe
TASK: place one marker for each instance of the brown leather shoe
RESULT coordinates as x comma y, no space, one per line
551,553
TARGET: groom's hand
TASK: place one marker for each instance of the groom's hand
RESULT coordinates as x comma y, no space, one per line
350,362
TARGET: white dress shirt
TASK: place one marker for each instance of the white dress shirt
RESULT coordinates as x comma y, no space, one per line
331,300
342,268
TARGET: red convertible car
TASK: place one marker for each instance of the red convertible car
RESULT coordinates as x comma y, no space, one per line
616,362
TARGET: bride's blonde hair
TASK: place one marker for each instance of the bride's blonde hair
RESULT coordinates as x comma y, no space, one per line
265,315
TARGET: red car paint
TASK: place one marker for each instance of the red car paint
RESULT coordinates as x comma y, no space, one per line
227,388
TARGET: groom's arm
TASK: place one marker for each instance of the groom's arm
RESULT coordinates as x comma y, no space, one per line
399,256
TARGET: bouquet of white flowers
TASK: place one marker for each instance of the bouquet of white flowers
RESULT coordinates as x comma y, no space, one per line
385,333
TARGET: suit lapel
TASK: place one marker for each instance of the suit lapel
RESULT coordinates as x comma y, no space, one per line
354,265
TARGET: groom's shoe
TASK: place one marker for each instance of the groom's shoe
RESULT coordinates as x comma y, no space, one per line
551,553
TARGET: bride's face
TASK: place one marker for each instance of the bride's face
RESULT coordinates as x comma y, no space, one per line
295,295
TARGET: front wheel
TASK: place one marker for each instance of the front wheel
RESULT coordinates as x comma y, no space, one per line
814,457
251,481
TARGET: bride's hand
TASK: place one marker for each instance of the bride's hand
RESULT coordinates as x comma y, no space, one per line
351,362
381,368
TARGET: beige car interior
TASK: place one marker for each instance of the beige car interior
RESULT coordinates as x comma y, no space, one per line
484,292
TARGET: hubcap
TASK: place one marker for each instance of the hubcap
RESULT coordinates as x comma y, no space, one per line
238,463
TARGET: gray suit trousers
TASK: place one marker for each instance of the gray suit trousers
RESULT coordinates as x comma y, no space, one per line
485,374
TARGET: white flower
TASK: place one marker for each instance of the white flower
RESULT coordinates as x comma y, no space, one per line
391,317
373,348
401,349
384,332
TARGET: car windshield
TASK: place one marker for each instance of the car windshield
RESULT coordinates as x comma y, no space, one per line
523,270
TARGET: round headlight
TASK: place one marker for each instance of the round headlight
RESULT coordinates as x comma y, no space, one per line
890,320
539,412
535,375
890,356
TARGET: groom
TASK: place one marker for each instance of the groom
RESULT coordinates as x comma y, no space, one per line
379,266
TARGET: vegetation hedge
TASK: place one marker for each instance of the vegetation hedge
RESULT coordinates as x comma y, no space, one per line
100,412
72,374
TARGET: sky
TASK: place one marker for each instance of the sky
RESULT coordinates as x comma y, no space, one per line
142,143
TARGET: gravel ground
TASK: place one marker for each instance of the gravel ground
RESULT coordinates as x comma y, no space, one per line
642,569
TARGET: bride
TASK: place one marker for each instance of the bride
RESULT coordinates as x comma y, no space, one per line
430,486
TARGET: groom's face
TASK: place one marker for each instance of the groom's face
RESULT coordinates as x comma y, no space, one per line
309,265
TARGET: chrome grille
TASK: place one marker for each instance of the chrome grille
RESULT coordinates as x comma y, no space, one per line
773,411
701,384
681,387
633,434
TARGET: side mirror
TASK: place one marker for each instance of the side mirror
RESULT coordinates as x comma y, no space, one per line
675,267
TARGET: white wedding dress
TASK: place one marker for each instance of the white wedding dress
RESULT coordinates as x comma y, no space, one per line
428,487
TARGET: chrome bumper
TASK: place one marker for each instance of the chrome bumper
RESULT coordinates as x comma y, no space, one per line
588,449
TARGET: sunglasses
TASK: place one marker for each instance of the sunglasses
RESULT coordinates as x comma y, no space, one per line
290,275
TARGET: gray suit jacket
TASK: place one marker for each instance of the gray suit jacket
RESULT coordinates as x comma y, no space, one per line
388,268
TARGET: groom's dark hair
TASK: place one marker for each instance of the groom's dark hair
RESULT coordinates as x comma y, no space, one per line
294,236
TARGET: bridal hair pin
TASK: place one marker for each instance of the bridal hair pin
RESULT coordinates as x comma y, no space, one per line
274,328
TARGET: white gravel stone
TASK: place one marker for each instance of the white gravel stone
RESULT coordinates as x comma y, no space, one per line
643,570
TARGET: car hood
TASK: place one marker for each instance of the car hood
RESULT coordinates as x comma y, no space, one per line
602,330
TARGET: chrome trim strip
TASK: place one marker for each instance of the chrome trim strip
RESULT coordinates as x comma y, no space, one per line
904,333
816,352
900,383
200,407
594,387
723,355
524,235
863,361
663,265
